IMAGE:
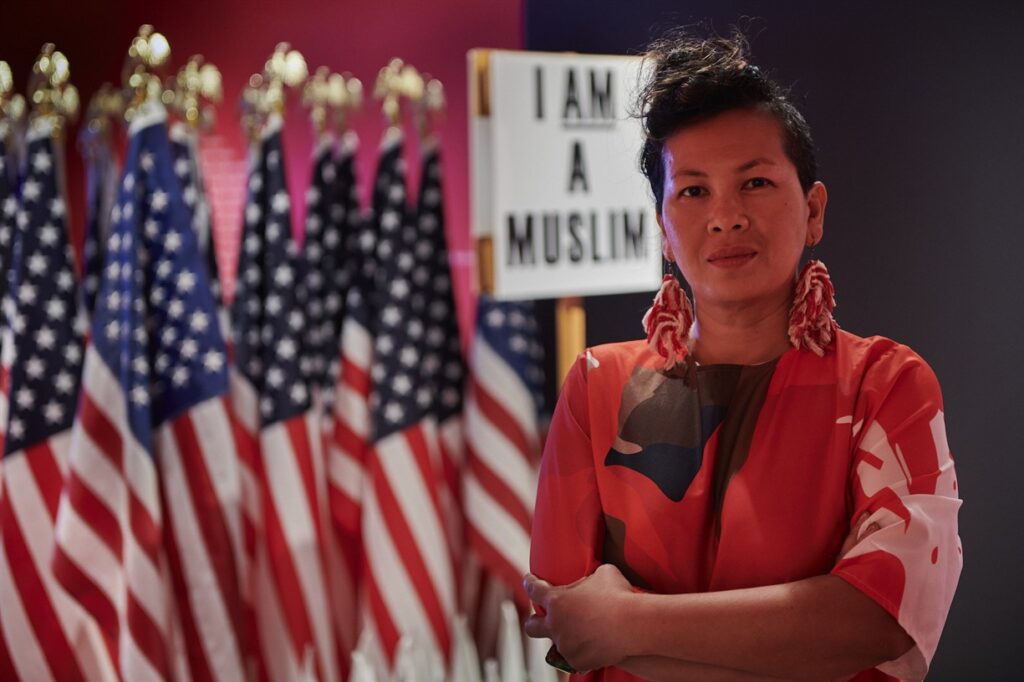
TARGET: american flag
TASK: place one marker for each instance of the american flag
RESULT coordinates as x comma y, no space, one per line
504,417
8,214
37,618
320,251
410,572
351,415
322,289
147,531
350,427
101,179
274,402
444,367
347,217
185,153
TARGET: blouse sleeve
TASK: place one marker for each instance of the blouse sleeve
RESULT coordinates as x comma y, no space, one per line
905,552
566,542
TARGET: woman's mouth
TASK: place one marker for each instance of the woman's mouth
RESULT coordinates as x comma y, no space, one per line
732,256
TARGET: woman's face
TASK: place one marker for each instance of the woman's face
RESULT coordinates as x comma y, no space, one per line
734,217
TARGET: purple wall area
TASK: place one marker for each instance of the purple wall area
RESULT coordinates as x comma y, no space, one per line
917,112
358,36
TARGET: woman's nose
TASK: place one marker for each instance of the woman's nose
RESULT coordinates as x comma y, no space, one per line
727,213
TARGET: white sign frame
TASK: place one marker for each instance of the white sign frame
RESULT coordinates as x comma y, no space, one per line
555,176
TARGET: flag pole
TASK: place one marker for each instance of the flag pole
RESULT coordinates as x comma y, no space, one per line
570,333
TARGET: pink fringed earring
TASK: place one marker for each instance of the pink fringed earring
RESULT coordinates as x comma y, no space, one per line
811,324
668,322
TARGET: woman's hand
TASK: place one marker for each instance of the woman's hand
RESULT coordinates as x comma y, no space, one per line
583,619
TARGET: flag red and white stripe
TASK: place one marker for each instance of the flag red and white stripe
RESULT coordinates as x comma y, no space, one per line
39,621
108,544
346,455
410,577
132,575
503,440
290,588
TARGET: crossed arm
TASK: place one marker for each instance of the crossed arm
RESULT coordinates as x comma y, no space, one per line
820,628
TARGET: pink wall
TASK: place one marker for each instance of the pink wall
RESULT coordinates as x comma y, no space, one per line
358,36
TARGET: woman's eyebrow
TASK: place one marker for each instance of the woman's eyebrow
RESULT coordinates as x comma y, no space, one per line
689,172
753,163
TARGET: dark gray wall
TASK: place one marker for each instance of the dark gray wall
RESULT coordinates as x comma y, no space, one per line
918,114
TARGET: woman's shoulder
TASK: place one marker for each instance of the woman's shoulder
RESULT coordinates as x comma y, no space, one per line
599,368
880,358
631,350
874,348
620,358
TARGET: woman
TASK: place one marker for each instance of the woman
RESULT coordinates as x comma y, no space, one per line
752,494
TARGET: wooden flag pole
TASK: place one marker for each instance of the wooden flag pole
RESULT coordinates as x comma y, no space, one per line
485,264
570,333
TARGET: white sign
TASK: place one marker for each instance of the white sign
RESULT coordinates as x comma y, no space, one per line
556,178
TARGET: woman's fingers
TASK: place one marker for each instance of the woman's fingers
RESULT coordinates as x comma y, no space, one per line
536,627
536,589
857,533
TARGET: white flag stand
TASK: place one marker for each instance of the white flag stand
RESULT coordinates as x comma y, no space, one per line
510,645
465,661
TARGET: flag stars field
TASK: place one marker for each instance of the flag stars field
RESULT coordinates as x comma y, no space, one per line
30,191
281,203
172,242
25,398
157,202
253,212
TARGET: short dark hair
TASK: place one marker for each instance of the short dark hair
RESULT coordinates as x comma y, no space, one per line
689,79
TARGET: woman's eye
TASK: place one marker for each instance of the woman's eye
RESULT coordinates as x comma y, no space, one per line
691,191
754,183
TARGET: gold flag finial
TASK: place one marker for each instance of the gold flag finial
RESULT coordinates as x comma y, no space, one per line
326,93
285,68
50,91
317,95
147,57
6,80
12,104
430,108
196,85
105,105
395,82
350,97
252,108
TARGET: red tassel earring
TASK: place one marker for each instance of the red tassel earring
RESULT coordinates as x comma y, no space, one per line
811,324
668,322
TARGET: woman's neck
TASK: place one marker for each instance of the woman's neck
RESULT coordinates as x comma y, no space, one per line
747,335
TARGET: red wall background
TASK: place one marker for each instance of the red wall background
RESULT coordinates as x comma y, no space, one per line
358,36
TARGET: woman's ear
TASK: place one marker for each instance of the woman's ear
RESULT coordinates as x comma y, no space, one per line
666,249
817,198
